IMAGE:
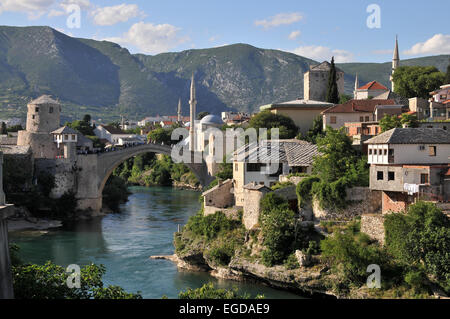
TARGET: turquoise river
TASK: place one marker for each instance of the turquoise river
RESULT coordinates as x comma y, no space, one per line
123,243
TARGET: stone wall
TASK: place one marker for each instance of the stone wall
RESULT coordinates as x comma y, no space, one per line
363,201
252,208
373,225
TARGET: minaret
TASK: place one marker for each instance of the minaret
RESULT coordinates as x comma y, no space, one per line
356,87
395,62
192,103
179,111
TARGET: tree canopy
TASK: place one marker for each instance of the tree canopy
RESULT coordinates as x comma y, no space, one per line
389,122
267,119
417,81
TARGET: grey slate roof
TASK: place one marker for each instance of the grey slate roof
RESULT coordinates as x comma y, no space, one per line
412,136
65,130
294,152
324,66
257,187
44,99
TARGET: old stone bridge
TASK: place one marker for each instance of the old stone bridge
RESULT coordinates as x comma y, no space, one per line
93,170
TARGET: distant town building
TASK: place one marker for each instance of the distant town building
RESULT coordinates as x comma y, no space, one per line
66,140
370,90
440,103
408,164
110,133
315,81
302,112
359,111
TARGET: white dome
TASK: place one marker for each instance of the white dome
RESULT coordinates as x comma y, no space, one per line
211,120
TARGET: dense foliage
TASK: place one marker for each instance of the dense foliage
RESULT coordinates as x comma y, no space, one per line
389,122
269,120
279,230
420,241
49,281
315,131
115,193
417,81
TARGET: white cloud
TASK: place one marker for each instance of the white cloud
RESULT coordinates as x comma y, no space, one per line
279,19
83,4
437,44
34,8
115,14
320,53
294,35
150,38
55,13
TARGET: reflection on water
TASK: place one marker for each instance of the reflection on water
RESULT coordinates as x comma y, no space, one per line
123,242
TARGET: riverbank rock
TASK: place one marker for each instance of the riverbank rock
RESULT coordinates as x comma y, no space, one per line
304,260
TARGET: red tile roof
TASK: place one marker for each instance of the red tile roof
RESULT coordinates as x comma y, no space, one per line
358,106
374,85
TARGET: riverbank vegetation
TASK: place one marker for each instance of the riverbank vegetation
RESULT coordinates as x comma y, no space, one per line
337,168
49,281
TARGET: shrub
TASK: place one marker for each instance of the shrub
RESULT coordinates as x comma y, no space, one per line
208,291
304,189
291,262
211,226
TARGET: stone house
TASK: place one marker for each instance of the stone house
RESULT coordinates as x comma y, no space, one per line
253,194
408,164
110,133
218,198
358,111
264,162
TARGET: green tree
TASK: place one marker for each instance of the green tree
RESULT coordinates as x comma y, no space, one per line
3,128
389,122
82,126
344,98
338,155
420,240
332,90
410,120
315,131
417,81
115,193
447,75
268,120
87,118
49,281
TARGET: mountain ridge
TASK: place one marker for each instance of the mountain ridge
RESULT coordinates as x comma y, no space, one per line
104,79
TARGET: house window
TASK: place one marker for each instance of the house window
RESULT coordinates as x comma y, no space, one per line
36,109
361,118
358,130
391,152
380,176
391,176
432,150
367,119
385,152
73,137
333,119
236,167
66,137
423,178
370,151
33,117
50,110
376,130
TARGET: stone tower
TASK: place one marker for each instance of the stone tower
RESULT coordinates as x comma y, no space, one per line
315,82
395,63
179,111
43,117
192,103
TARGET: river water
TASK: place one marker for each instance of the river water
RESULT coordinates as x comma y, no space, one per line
123,243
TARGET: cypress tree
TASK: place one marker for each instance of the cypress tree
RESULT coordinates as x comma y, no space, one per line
3,129
332,90
447,76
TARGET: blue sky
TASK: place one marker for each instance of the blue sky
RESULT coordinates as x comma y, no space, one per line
315,29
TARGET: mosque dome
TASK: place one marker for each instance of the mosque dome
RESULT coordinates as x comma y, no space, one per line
211,120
